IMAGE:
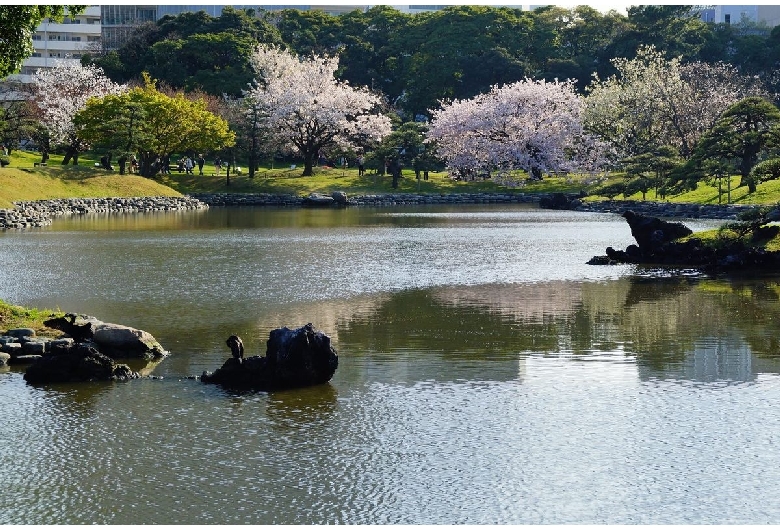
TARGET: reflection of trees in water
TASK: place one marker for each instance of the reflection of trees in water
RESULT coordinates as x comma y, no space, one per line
682,326
700,329
754,307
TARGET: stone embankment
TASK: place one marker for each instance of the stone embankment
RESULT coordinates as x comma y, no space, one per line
31,214
22,346
386,199
665,209
656,209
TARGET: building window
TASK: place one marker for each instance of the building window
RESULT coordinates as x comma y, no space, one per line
727,19
36,54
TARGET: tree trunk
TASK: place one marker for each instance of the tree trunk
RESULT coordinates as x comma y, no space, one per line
147,167
71,153
308,164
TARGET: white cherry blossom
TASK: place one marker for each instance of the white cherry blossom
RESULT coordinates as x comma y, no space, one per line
531,125
62,91
309,111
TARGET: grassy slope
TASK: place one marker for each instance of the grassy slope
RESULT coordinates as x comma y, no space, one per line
22,181
327,180
12,316
766,193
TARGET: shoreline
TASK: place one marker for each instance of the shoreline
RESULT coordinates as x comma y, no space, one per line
36,214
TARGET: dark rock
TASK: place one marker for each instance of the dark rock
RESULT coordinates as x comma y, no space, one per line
340,198
560,201
61,346
658,244
294,358
24,359
83,363
114,340
37,347
12,348
80,327
317,199
18,333
651,233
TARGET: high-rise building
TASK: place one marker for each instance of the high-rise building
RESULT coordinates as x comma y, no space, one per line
61,41
118,21
759,14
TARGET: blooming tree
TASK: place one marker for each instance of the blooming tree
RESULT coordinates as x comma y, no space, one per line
530,125
654,102
61,92
308,110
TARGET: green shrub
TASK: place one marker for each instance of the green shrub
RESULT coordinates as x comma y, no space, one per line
4,160
766,170
611,191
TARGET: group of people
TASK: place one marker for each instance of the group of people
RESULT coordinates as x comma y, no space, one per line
187,164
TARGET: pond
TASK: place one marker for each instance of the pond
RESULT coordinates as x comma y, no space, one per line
486,374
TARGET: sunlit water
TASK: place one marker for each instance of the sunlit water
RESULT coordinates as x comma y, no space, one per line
486,374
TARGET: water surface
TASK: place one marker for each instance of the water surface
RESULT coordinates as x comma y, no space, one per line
487,375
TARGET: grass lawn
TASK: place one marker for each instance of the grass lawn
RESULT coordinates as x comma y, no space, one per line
13,316
326,180
766,193
23,181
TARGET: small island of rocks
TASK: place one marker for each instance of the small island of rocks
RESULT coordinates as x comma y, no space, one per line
662,242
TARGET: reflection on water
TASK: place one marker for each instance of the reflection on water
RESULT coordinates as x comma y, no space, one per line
486,375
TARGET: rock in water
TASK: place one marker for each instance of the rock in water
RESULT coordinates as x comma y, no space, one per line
652,233
113,340
80,363
294,358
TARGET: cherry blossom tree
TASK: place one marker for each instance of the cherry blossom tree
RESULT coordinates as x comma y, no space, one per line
309,111
531,125
654,102
61,92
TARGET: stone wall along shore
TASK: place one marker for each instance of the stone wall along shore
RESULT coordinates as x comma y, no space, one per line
31,214
384,199
650,208
665,209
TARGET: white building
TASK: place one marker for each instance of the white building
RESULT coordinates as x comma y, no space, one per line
758,14
61,41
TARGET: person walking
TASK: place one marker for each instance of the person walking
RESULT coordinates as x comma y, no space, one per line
217,165
201,161
360,164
